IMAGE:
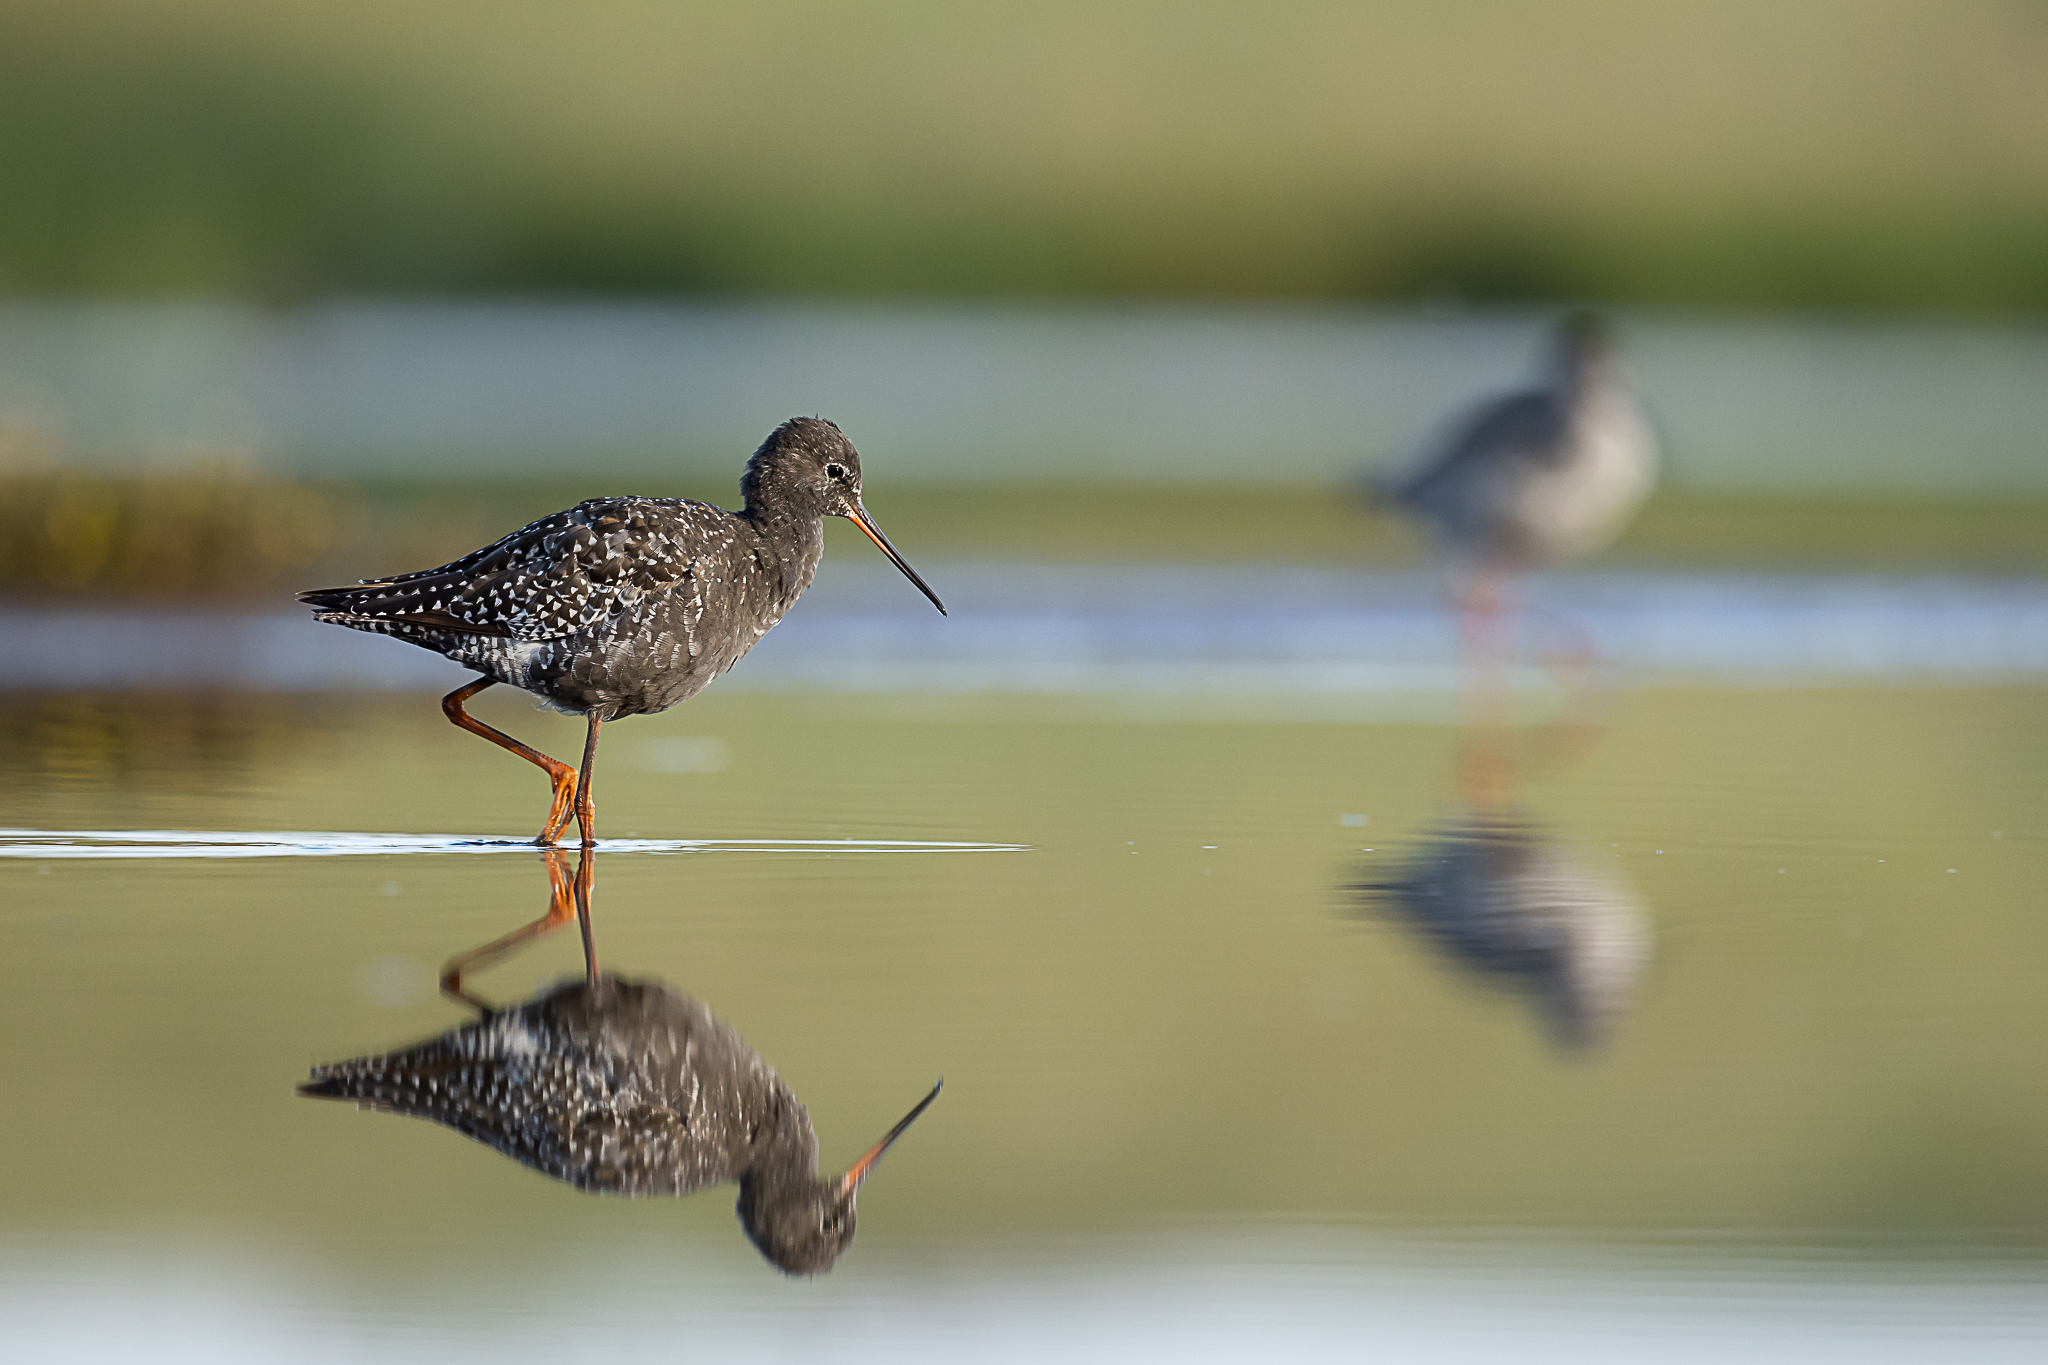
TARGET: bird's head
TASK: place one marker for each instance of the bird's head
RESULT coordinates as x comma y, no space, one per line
801,1223
801,1230
809,469
806,465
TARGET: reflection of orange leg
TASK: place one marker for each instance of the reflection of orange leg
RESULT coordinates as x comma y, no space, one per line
1581,718
586,878
562,906
1486,769
586,807
564,776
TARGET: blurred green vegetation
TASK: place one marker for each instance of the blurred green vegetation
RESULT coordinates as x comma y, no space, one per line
166,536
230,536
1830,153
1337,527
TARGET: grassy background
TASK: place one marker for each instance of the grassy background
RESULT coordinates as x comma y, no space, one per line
1834,153
237,538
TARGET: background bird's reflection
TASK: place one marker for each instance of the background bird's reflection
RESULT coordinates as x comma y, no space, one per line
619,1086
1514,902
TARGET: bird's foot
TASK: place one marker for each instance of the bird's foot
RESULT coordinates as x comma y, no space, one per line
558,813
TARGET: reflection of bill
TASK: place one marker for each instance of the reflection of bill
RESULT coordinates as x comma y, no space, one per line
1516,906
621,1087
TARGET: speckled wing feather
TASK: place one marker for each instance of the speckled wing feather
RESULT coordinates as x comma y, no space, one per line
582,1136
554,578
1471,485
1531,426
625,1089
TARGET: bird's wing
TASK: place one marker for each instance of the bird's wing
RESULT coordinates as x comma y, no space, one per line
635,1149
549,1116
556,577
480,1097
543,1084
1515,429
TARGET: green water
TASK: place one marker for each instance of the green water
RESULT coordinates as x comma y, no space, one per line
1161,1024
1837,1038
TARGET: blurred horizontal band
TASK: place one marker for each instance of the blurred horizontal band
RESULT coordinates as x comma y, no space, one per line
1215,633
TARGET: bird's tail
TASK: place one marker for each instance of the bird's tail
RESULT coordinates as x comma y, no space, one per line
330,599
376,607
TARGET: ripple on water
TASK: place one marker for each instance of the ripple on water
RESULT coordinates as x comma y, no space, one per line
87,843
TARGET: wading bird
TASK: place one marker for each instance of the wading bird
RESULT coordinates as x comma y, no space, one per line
1538,475
624,606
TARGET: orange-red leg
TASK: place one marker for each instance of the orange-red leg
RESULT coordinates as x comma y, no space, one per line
1581,718
1486,769
563,776
1488,764
586,806
1485,645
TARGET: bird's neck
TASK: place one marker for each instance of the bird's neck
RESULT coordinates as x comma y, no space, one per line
792,538
1590,377
785,1151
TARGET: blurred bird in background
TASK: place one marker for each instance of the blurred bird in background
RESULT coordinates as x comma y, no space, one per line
1536,476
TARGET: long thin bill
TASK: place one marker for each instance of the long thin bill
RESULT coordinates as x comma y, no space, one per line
859,1170
859,517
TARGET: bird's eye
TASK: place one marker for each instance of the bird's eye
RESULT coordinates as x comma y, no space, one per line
835,471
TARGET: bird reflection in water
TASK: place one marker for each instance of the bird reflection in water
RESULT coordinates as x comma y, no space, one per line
1508,900
619,1086
1517,904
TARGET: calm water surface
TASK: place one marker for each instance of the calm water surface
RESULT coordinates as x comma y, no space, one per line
1714,1032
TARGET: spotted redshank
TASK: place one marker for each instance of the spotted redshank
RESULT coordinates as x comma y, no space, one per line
1538,475
624,606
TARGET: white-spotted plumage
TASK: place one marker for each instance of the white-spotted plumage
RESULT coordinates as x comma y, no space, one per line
616,1087
623,606
626,1087
603,606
